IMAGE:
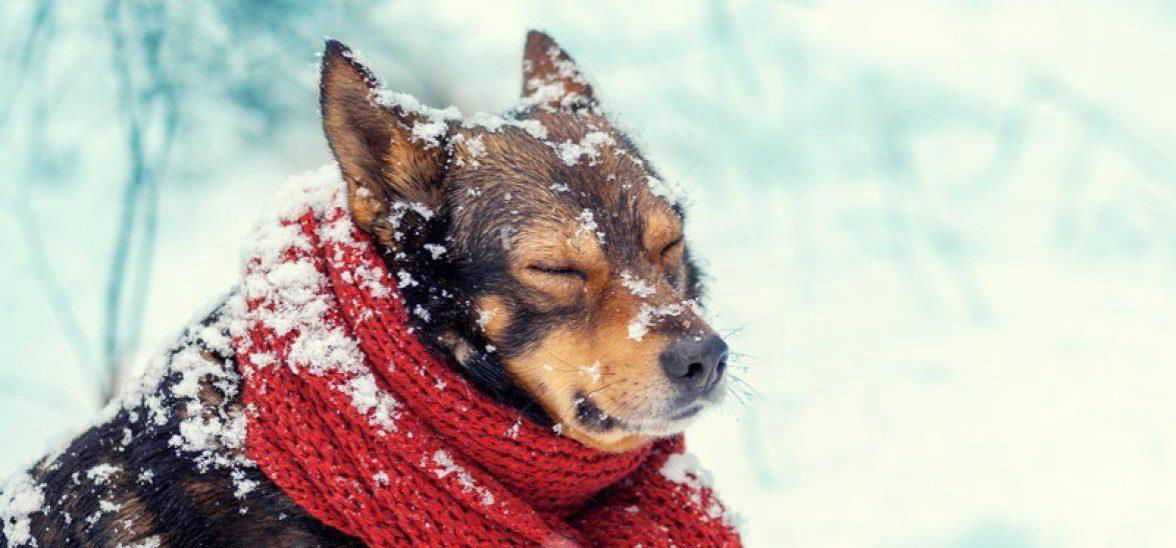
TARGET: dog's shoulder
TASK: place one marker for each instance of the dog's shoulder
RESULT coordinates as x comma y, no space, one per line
164,466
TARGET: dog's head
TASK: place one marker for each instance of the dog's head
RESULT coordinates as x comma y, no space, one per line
539,249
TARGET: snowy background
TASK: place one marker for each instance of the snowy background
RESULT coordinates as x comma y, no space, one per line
944,234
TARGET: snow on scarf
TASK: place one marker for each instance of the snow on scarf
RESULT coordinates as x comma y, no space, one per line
374,435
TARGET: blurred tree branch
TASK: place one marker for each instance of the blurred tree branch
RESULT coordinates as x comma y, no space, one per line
151,109
39,31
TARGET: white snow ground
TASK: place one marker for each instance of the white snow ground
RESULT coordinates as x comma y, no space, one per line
942,233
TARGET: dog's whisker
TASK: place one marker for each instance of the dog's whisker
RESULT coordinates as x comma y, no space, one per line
735,356
731,331
602,388
740,396
737,381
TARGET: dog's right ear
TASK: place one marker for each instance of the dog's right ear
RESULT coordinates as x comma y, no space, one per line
393,178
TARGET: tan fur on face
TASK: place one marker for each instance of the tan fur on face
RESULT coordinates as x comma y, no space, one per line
661,229
493,315
563,247
567,362
620,375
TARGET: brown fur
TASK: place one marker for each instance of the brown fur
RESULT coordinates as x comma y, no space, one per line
515,175
513,210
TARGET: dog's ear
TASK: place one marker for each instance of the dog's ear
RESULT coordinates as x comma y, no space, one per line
551,79
393,177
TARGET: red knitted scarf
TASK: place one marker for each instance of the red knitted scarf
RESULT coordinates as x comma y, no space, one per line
376,436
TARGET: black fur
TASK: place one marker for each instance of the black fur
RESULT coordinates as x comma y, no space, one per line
158,491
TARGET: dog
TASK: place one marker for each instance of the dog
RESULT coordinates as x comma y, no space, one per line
555,278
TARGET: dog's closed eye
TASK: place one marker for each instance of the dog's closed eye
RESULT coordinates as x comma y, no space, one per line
672,246
671,253
562,271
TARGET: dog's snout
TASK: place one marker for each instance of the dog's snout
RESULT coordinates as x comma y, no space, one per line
696,363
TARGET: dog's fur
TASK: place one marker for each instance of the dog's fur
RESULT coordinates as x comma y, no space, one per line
531,298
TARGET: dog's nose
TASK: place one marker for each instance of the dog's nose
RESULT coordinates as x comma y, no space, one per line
696,363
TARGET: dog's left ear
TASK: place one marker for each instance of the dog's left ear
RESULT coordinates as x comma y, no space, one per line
551,79
392,158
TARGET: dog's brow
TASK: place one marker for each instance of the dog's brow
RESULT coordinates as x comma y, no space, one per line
559,243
